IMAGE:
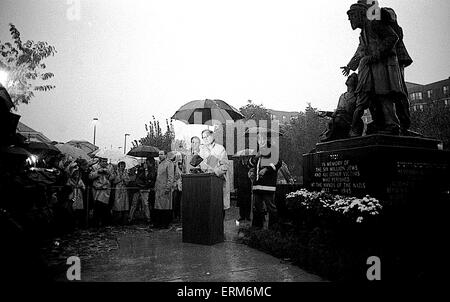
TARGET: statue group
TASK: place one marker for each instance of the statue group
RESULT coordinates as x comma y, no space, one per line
379,84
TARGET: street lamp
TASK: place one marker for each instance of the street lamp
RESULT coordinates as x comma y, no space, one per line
125,144
95,121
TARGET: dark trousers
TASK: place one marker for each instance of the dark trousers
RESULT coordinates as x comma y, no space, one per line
80,218
101,214
162,218
263,202
245,206
176,202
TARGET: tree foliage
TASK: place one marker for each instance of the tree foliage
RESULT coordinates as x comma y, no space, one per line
299,137
24,63
433,121
155,137
255,112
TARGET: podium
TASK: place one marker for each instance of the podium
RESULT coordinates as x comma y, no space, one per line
202,209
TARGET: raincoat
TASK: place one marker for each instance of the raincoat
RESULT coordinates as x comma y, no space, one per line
164,185
216,160
121,179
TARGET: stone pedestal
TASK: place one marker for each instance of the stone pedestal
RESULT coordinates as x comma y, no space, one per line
391,168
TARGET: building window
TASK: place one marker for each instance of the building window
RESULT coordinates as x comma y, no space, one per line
421,107
430,93
418,95
446,102
446,89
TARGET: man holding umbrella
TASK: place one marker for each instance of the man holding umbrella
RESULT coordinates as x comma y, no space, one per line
145,181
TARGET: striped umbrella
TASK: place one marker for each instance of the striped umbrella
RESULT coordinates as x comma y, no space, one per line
204,112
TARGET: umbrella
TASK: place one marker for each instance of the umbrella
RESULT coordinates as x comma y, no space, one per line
83,145
130,161
115,156
205,111
74,152
245,152
262,130
144,151
42,147
15,150
110,154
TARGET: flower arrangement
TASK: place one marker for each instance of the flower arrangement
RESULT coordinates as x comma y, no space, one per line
322,203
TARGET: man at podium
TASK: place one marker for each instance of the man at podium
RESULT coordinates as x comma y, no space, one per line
215,160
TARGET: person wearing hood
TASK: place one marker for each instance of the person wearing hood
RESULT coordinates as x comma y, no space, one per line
76,197
101,176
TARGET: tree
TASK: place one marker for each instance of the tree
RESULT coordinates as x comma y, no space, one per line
299,137
433,121
24,64
155,137
255,112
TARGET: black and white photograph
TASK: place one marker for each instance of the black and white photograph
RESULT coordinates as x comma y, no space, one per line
224,148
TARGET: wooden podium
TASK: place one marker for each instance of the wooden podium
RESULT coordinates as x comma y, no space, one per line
202,209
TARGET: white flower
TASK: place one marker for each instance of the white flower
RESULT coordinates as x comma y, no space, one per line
359,219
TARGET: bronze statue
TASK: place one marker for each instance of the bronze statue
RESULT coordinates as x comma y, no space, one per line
381,86
341,119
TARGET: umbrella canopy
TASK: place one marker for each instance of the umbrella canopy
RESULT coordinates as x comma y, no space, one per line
41,147
15,150
83,145
245,152
204,112
74,152
262,130
144,151
116,156
130,161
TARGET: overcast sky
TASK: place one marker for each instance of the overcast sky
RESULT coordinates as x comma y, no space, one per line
124,61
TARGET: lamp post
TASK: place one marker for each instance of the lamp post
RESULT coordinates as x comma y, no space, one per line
125,144
95,120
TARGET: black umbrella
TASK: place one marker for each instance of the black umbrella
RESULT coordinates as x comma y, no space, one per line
42,147
144,151
204,112
261,130
15,150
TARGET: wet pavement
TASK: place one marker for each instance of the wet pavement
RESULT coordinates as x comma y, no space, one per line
161,256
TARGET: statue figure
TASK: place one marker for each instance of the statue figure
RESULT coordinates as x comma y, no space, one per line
381,86
389,16
341,119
